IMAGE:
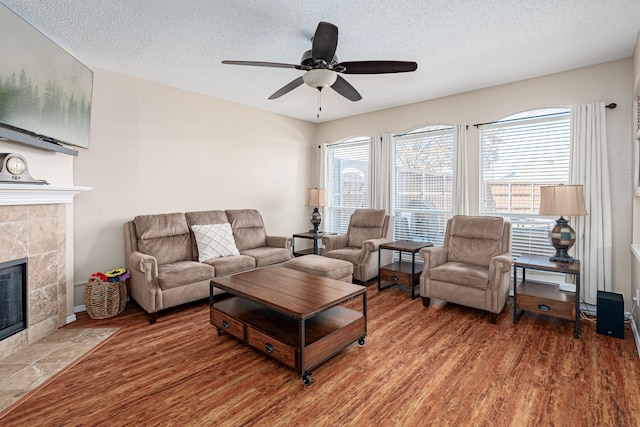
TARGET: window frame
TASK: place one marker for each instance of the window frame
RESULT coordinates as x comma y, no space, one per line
427,220
530,230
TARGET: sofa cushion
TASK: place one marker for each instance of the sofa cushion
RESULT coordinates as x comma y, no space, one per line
248,228
183,273
214,241
460,273
232,264
164,236
365,224
200,218
267,255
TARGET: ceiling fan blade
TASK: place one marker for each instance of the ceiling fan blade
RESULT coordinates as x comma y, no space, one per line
264,64
376,67
345,89
325,42
287,88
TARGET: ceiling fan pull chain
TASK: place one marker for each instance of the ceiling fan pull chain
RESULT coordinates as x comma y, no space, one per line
319,102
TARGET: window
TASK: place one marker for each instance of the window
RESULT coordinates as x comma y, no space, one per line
348,180
518,154
423,183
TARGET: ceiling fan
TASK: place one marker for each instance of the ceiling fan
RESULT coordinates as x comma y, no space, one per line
322,66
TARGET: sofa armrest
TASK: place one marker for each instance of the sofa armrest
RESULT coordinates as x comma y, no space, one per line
144,272
279,242
433,256
337,241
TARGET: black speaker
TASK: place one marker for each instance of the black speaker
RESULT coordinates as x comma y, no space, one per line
610,319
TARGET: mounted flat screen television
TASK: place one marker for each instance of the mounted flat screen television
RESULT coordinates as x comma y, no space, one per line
45,93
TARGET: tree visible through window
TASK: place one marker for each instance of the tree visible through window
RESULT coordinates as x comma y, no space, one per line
423,187
518,154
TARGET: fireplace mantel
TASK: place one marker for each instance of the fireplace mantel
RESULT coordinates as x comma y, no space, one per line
36,194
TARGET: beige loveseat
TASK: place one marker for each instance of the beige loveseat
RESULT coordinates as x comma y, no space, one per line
161,252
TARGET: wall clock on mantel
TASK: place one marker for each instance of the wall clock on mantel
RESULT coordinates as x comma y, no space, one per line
14,169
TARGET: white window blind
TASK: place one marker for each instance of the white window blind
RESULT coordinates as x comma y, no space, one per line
348,180
518,154
423,183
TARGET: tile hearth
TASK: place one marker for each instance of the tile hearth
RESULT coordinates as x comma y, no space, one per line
32,366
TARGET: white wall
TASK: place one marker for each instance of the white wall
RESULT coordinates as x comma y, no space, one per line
609,82
635,214
157,149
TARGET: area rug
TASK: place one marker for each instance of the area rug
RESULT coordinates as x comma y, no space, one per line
34,366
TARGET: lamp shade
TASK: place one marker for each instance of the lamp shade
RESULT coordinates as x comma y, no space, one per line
563,200
316,197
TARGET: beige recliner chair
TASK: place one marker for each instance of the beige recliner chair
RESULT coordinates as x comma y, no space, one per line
473,266
368,229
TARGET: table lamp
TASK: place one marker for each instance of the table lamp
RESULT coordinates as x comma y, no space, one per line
563,200
316,197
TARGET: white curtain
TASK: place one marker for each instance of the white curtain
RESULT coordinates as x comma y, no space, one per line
590,167
460,185
381,172
323,181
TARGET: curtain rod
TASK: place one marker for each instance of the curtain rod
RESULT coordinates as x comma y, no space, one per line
611,106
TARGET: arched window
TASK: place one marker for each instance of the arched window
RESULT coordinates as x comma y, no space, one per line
518,154
347,180
423,183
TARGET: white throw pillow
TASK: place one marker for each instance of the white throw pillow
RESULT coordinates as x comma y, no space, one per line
214,241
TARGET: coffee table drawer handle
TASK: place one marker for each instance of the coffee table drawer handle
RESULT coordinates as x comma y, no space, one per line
394,278
544,307
269,347
225,323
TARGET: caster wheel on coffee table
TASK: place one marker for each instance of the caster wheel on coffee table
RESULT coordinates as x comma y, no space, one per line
306,378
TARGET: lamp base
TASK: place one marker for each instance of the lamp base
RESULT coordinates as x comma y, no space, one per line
562,256
316,219
562,239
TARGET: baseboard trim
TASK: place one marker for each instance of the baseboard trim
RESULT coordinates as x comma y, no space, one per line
636,336
71,318
79,308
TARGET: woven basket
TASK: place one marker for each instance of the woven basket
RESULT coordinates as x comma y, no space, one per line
104,299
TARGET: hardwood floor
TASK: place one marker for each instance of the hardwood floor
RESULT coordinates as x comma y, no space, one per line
443,365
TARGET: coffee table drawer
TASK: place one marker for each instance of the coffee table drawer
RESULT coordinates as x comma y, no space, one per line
274,348
227,323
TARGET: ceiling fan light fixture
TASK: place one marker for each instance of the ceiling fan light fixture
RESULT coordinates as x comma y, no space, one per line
320,78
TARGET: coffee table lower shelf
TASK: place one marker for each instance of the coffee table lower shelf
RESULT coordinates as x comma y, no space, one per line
281,336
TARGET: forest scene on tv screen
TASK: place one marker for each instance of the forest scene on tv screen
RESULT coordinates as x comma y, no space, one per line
43,89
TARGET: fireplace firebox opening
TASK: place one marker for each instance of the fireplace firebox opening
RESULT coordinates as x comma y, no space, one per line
13,297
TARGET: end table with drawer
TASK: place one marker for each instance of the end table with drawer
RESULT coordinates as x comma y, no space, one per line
546,298
401,272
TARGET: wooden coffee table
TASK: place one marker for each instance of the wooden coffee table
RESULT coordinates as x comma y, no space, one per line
295,317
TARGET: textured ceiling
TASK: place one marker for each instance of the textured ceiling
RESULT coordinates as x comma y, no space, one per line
459,45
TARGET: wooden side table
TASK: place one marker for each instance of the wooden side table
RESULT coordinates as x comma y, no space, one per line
544,298
401,272
316,250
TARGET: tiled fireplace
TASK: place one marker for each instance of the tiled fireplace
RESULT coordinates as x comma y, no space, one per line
33,226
